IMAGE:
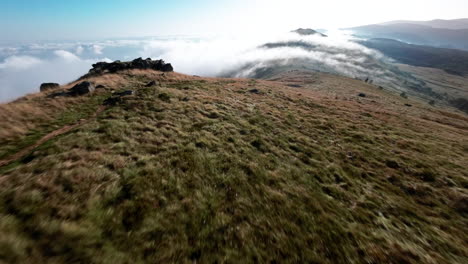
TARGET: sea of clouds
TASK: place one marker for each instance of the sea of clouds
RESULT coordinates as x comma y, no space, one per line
24,67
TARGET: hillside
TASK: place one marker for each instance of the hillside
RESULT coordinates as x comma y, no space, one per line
304,167
417,34
450,60
461,23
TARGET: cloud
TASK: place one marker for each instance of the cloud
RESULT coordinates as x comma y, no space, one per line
97,49
232,56
20,75
19,62
79,50
67,56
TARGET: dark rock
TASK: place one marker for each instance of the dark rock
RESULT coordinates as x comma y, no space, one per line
49,86
408,105
112,100
254,91
152,83
112,67
100,86
461,204
362,95
82,88
392,164
58,94
124,93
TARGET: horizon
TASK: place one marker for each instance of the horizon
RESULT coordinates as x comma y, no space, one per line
53,20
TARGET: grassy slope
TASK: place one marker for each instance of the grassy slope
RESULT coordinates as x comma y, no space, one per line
206,170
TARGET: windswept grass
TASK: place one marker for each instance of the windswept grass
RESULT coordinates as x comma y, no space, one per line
207,170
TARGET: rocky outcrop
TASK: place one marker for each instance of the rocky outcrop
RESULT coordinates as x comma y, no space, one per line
112,67
82,88
49,86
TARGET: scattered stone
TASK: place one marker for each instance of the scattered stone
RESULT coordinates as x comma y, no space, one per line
112,100
408,105
49,86
150,84
105,67
124,93
362,95
58,94
82,88
254,91
392,164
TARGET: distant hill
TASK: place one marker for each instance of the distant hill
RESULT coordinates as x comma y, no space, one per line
437,23
308,32
416,34
450,60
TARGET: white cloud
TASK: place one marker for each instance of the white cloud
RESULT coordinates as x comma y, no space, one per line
19,62
97,49
79,50
24,74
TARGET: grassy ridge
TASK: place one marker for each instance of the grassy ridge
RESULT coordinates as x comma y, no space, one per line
221,170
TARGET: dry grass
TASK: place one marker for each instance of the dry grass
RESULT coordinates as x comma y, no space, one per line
211,170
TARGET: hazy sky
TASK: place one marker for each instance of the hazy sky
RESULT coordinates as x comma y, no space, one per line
23,20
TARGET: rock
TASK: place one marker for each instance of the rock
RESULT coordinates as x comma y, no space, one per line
58,94
82,88
152,83
139,63
112,100
362,95
49,86
124,93
408,105
100,86
254,91
461,204
392,164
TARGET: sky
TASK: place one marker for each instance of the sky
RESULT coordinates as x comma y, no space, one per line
46,20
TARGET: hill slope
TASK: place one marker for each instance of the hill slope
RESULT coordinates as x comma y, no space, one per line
296,169
417,34
450,60
461,23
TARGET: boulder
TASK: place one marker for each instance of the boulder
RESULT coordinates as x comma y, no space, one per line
82,88
152,83
124,93
49,86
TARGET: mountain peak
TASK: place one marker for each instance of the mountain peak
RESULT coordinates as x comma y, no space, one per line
308,32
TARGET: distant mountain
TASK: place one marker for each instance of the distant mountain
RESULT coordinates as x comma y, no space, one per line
450,60
437,23
417,34
308,32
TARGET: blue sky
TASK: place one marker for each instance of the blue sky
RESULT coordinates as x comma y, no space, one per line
77,19
29,20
